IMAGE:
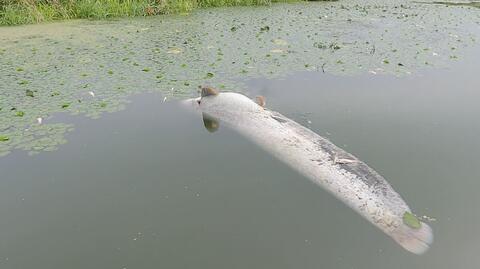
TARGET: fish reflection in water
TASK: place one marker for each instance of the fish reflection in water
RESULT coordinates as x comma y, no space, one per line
210,123
339,172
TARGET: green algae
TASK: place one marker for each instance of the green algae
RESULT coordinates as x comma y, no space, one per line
91,67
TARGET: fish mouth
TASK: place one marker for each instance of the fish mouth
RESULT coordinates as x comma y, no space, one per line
192,103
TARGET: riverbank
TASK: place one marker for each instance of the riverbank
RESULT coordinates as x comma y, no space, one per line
16,12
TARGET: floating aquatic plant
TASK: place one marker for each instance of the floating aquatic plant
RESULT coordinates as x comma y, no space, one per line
411,220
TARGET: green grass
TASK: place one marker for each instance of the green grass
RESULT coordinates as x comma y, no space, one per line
14,12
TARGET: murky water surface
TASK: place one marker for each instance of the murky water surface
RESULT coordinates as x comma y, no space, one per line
149,187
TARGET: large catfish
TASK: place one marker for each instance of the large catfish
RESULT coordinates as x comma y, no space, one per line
339,172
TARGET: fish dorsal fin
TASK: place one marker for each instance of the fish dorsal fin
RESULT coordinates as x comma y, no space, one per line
260,101
207,91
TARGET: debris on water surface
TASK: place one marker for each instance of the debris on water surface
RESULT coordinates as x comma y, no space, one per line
174,51
4,138
277,51
427,218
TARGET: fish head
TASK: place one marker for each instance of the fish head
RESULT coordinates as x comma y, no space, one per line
216,104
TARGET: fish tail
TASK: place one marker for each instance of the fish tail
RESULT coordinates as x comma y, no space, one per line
417,241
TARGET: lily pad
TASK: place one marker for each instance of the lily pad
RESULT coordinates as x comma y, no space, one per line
209,75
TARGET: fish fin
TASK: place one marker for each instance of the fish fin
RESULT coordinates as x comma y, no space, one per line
207,91
260,100
417,241
210,123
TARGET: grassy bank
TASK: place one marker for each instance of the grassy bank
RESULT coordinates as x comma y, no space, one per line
14,12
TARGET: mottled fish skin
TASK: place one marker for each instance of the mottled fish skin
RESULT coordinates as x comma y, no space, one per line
339,172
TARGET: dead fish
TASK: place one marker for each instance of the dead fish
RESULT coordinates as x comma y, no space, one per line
339,172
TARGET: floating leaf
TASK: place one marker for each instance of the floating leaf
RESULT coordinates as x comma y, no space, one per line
29,93
20,114
411,220
4,138
65,105
209,75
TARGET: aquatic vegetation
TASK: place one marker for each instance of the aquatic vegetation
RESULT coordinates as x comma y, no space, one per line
411,220
14,12
29,93
91,67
